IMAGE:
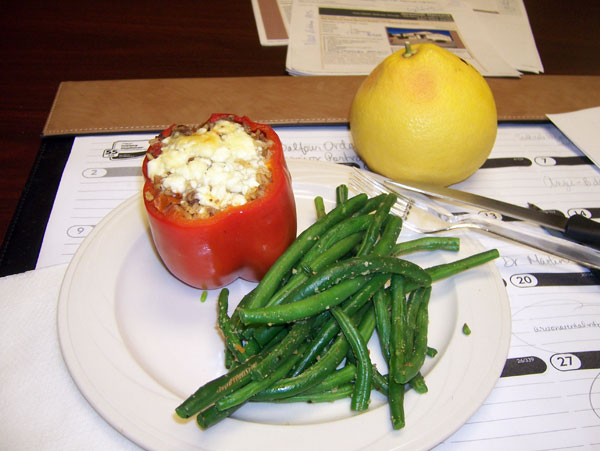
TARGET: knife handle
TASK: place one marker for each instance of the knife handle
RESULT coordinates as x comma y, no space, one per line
583,230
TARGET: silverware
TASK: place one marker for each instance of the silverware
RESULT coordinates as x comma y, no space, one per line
424,215
576,227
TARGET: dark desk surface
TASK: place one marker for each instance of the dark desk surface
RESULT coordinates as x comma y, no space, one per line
44,44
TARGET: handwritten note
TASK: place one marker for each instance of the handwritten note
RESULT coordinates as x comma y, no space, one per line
538,165
548,396
332,144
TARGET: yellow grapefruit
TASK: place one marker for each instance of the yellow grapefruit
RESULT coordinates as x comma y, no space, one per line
424,114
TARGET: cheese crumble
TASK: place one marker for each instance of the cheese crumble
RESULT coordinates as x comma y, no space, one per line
211,168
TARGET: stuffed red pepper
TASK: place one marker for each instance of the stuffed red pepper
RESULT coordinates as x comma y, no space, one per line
219,200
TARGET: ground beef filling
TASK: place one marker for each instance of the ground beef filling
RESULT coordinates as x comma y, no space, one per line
202,194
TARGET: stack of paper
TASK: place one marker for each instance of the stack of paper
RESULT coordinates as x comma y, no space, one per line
351,37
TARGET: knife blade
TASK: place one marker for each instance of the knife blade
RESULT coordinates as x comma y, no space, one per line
576,227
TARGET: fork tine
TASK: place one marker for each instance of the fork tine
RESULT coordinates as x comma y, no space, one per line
370,183
404,205
414,200
362,183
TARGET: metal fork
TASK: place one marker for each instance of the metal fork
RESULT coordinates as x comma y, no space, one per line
424,215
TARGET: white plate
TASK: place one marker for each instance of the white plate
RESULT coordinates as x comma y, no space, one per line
137,342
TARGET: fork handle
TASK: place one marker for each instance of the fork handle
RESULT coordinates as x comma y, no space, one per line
551,244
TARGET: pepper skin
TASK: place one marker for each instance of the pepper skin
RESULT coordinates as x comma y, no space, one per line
239,242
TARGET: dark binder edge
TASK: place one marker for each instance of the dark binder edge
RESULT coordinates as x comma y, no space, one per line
20,250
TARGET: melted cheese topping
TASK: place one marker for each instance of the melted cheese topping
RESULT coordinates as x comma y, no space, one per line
213,169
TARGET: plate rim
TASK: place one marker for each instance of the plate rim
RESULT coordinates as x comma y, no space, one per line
138,435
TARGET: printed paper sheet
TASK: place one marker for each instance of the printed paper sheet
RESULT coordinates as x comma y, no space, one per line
549,394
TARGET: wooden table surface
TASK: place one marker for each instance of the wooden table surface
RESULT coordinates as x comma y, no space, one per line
45,43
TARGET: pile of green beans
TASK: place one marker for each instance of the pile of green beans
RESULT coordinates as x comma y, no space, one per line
301,335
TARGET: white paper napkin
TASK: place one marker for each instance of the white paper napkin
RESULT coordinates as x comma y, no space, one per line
41,407
582,127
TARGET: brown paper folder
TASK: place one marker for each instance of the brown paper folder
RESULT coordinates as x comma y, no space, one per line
90,107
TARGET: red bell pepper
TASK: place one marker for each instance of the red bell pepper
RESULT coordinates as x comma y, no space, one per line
239,242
